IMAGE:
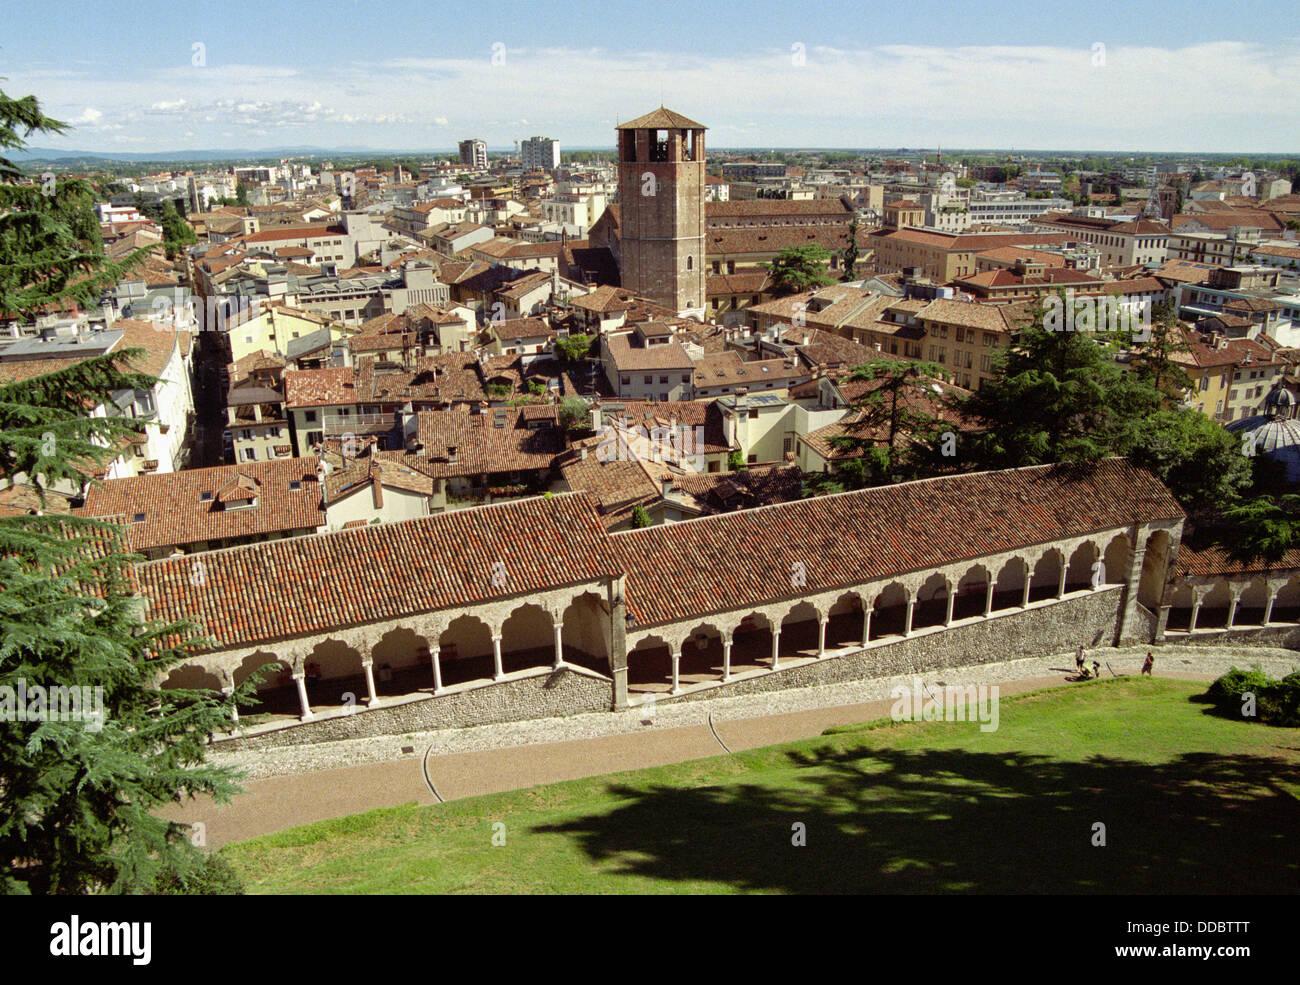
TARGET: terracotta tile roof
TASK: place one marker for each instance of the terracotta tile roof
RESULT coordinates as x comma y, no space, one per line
661,119
1210,561
320,387
627,358
531,329
176,513
744,208
604,300
651,414
482,447
158,341
773,239
728,369
686,570
304,585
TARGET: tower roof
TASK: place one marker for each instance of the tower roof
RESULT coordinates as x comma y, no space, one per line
661,119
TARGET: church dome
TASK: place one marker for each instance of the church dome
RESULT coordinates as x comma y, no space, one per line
1276,437
1279,400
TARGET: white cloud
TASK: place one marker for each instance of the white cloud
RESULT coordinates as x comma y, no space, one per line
1220,96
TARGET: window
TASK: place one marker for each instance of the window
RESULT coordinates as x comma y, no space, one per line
138,518
1205,382
295,486
985,363
751,459
690,263
753,414
250,454
663,379
649,379
309,416
625,380
943,332
205,496
686,377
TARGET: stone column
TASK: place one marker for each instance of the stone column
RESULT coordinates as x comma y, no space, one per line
1161,623
301,681
435,651
726,659
988,597
677,659
618,643
821,636
952,600
1029,577
1268,607
559,645
907,626
1232,612
1196,611
368,668
776,647
1131,588
497,672
866,624
229,689
1060,586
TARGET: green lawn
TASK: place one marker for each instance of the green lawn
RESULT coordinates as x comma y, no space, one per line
1190,803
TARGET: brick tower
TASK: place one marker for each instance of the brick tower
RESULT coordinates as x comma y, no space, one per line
661,200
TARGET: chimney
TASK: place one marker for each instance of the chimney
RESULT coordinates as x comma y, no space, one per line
582,453
667,486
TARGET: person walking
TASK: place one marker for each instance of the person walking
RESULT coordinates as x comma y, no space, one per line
1096,669
1148,663
1078,658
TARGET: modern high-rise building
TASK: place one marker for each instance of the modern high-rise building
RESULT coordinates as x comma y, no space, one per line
661,203
540,154
474,153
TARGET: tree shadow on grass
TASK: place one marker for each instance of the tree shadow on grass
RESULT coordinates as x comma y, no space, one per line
892,821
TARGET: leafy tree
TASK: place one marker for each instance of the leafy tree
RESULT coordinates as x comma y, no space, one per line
1262,527
177,233
799,268
80,795
1154,361
1199,460
575,414
573,348
640,518
735,461
241,193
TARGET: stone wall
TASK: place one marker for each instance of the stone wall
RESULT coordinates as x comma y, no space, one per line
1056,627
1286,635
544,694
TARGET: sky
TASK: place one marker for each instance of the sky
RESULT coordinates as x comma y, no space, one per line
166,75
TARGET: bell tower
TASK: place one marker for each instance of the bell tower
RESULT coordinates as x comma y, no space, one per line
661,202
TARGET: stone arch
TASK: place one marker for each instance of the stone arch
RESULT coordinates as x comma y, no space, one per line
465,651
847,620
1286,607
1155,563
1045,581
527,638
889,611
334,678
400,660
1118,560
800,630
193,677
931,607
1214,606
650,665
1009,585
972,593
751,643
1079,571
1251,606
585,632
701,654
1180,610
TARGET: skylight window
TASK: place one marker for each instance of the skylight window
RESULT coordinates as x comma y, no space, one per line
295,486
138,518
206,496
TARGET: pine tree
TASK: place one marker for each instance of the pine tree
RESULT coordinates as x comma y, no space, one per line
890,428
799,268
79,794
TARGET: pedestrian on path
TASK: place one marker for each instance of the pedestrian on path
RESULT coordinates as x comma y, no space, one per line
1078,658
1148,663
1096,669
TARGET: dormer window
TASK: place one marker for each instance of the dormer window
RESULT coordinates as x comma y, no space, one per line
138,518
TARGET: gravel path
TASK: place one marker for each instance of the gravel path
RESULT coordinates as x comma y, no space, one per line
1171,661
